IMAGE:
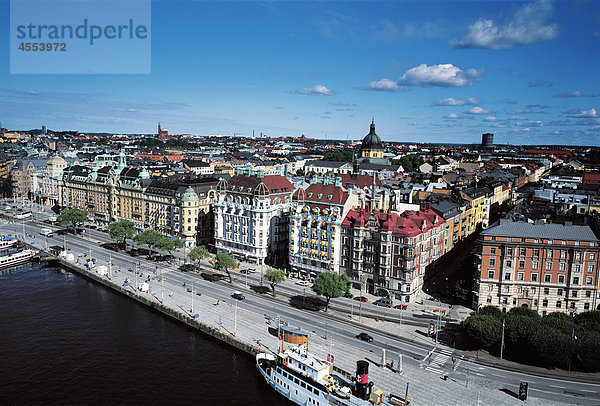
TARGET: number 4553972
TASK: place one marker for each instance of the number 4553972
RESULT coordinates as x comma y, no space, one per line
42,46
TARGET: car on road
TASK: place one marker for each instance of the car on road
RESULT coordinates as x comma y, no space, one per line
47,221
365,337
401,307
361,298
303,283
244,271
238,295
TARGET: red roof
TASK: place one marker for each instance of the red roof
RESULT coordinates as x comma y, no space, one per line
408,224
320,195
591,178
361,181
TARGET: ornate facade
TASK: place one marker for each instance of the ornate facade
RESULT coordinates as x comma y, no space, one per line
252,216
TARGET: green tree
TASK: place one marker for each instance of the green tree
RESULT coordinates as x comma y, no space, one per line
274,276
197,254
410,163
121,231
72,217
225,262
491,311
331,285
559,321
483,329
169,245
300,172
148,237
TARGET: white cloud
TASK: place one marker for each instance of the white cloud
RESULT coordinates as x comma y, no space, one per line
385,85
451,101
478,110
318,90
451,115
32,92
443,75
577,113
131,110
490,118
527,26
576,93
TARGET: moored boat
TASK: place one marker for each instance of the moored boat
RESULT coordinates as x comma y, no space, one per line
17,258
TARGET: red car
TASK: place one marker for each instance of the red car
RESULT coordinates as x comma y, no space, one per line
47,221
401,307
361,299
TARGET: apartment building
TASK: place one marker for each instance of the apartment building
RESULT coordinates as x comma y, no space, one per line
178,206
544,267
315,225
252,214
388,253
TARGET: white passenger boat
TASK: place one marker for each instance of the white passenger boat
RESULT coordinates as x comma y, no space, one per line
17,258
7,242
305,379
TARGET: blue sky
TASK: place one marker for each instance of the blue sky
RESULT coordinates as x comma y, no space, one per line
444,71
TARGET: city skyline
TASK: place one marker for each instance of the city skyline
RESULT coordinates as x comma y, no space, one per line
428,72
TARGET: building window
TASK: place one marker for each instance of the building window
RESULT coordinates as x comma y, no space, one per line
559,292
491,288
586,306
509,252
547,277
519,289
592,255
561,266
588,293
532,290
548,265
491,274
506,289
561,278
493,251
589,280
572,305
509,264
545,303
536,252
546,291
534,277
573,293
576,280
558,304
521,264
520,276
563,254
489,299
523,251
549,252
576,268
578,256
506,276
535,264
492,262
590,268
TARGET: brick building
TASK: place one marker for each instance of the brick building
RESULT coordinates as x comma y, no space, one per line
545,267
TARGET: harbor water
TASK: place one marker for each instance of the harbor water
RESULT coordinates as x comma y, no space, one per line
68,341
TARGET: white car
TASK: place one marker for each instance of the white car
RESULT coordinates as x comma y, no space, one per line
303,283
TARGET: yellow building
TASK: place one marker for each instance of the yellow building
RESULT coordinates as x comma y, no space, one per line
179,206
477,200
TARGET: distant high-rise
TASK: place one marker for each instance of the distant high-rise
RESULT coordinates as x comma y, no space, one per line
44,130
487,140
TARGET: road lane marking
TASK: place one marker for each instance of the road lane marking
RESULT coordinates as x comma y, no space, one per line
556,386
587,390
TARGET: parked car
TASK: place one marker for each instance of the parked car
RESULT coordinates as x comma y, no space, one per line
401,307
365,337
384,301
47,221
238,295
303,283
361,299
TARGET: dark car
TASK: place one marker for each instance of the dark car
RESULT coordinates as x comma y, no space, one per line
365,337
47,221
361,299
238,295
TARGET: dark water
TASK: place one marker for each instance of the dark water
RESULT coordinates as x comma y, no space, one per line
64,340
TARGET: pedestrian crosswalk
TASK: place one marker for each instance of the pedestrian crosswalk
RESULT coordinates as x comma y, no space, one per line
436,365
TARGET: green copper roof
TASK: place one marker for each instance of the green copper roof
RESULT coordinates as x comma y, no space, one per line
189,195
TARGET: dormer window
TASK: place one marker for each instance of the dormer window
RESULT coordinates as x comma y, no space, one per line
329,197
310,194
320,195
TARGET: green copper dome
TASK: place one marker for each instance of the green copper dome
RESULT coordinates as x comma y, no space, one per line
189,195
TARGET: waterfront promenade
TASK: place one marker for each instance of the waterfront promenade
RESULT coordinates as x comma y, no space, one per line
252,324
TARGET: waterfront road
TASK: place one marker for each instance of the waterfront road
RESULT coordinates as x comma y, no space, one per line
419,352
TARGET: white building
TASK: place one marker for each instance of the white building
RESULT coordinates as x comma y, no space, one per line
315,225
252,216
